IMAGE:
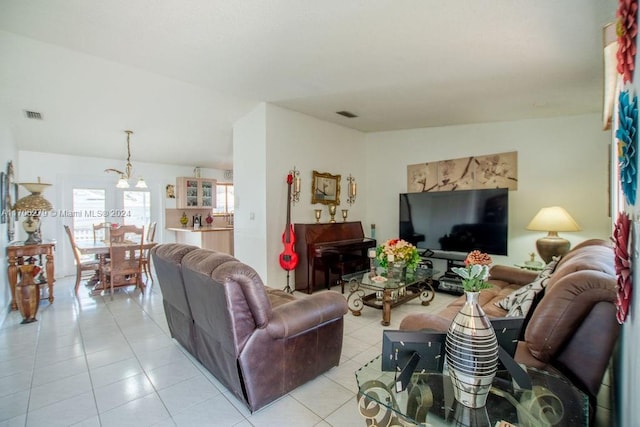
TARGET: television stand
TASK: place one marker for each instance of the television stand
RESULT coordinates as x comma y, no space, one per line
450,285
449,282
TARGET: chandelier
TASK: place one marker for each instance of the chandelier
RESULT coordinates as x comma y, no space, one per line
123,182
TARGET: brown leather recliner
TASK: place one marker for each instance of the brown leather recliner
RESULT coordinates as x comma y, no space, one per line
572,329
167,261
259,342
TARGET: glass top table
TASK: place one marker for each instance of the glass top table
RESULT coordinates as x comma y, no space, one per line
428,400
373,290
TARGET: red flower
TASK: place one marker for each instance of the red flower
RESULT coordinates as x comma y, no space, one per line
627,30
477,258
624,284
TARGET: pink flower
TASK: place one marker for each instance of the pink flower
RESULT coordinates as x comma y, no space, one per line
627,30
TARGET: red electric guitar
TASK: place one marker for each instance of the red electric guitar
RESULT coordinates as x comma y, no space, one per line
288,257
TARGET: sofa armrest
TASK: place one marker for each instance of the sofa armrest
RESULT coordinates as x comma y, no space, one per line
514,275
306,313
428,321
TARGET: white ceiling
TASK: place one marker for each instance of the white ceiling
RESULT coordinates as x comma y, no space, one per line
397,64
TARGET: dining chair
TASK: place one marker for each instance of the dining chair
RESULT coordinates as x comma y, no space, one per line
146,260
83,268
101,231
125,252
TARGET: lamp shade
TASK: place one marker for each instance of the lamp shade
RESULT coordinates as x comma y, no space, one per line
32,203
553,218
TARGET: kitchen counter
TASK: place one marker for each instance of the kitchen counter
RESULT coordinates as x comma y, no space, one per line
216,238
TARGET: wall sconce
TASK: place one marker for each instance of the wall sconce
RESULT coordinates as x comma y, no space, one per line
295,190
352,190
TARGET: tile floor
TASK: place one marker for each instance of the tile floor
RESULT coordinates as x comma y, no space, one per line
94,361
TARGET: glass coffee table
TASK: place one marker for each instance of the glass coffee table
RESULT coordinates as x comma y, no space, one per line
364,289
428,400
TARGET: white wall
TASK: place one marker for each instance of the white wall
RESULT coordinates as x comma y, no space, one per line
286,139
628,375
295,139
561,161
66,172
575,175
249,186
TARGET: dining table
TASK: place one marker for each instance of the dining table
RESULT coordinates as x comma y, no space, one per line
101,250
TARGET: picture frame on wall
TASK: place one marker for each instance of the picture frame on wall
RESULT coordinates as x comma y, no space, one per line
325,188
8,201
3,198
14,199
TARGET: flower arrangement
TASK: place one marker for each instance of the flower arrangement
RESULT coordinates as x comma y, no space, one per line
397,250
475,271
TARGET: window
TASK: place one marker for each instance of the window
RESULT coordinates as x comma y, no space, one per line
136,208
224,198
88,208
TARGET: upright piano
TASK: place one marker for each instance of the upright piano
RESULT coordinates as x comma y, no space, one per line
329,248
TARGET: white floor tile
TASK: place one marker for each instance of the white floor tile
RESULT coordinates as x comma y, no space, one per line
322,395
172,373
118,393
145,411
285,411
59,390
13,405
58,370
96,361
114,372
183,395
64,412
215,411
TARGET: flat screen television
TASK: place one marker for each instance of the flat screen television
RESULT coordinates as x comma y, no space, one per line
456,221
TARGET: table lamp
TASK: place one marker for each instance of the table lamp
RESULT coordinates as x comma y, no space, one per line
552,219
32,206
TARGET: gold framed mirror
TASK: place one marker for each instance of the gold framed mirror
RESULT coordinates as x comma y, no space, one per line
325,188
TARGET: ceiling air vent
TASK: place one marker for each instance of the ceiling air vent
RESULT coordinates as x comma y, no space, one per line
33,115
347,114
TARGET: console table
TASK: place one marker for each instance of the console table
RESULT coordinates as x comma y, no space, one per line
428,400
17,252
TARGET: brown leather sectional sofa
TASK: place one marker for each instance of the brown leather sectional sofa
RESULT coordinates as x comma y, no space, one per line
572,329
259,342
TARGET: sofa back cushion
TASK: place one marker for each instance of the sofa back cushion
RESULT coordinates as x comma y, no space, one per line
594,254
167,261
228,300
583,278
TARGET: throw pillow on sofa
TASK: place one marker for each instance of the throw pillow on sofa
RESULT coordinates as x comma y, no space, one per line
519,302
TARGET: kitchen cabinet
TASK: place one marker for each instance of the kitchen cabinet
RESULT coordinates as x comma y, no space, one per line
195,193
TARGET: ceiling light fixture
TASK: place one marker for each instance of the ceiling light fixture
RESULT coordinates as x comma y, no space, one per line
123,182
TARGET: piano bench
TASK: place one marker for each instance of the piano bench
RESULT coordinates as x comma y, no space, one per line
330,261
349,263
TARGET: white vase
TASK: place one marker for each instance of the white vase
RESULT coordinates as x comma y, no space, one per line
471,353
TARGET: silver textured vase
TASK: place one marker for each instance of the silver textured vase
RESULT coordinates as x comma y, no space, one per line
471,353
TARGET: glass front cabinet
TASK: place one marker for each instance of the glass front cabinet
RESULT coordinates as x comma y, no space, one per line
195,193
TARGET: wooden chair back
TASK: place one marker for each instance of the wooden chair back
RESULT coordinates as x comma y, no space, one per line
74,248
151,232
126,255
101,231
